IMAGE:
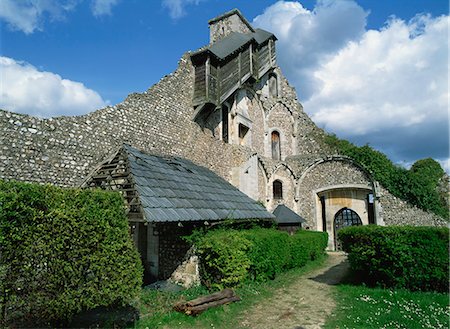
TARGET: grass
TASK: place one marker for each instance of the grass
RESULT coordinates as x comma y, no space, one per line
364,307
156,306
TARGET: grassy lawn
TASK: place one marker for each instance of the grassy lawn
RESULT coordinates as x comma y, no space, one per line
156,306
363,307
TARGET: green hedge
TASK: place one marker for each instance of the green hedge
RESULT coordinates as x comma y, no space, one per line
228,257
307,245
414,258
63,251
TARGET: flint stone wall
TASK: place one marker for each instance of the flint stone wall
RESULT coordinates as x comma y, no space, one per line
329,173
64,150
395,211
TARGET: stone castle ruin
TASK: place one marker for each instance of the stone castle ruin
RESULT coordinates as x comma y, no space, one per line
228,108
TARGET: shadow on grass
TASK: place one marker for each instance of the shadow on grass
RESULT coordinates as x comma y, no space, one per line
106,317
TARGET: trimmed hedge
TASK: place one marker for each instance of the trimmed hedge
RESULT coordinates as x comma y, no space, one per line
228,257
63,251
415,258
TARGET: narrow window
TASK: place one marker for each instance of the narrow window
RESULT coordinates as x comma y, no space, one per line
370,208
324,215
273,85
277,190
225,123
276,149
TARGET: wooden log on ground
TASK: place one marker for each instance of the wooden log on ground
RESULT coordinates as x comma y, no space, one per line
198,305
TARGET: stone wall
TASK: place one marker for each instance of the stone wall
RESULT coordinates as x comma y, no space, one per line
172,247
395,211
280,119
256,113
284,175
63,150
330,174
225,24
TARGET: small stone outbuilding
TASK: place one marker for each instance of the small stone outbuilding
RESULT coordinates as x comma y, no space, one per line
166,199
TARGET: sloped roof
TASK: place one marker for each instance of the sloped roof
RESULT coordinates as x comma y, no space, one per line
284,215
235,41
175,189
230,44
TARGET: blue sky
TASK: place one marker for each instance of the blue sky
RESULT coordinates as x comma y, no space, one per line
370,71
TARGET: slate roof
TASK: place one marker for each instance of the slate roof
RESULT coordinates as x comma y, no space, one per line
175,189
235,41
285,215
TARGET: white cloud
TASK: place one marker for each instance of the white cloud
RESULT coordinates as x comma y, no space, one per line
177,7
445,164
386,87
389,81
27,15
307,38
25,89
103,7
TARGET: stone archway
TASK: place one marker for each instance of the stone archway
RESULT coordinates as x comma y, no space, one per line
344,218
331,202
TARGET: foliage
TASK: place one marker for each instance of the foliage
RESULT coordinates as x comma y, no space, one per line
419,185
228,257
306,246
414,258
63,251
224,260
364,307
269,253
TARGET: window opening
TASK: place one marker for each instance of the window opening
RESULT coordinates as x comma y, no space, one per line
324,215
243,130
277,190
225,123
370,208
276,148
273,85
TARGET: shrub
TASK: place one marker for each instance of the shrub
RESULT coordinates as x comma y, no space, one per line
224,261
415,258
269,253
63,251
228,257
306,246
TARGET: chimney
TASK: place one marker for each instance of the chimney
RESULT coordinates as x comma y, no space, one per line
224,25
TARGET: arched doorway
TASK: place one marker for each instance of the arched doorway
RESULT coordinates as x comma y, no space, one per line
343,218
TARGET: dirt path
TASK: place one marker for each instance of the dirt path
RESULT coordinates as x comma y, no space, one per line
305,304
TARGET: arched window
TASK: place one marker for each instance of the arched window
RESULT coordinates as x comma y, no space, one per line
276,148
277,187
343,218
273,85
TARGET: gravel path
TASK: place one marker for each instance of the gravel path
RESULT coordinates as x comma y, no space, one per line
304,304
